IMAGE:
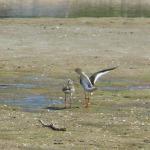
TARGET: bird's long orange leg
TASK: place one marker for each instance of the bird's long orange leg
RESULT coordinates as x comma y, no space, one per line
70,97
65,100
88,102
84,102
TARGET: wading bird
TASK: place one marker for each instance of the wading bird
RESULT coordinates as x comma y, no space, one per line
68,89
88,83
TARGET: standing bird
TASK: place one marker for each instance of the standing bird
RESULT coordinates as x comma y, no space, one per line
88,83
68,89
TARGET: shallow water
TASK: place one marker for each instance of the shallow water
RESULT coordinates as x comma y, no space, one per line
6,86
16,95
120,88
34,102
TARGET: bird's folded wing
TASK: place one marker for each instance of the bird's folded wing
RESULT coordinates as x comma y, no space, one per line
85,81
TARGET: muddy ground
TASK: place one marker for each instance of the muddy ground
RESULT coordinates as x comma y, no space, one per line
38,55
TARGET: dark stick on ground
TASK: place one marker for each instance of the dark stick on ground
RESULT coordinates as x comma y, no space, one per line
52,126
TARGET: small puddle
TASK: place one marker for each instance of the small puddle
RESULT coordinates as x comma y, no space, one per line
33,103
28,103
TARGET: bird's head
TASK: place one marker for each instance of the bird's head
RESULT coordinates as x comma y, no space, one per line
78,70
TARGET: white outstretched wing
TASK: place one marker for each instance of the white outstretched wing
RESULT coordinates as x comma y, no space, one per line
98,74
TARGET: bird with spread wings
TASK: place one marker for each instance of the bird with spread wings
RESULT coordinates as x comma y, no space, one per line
88,83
